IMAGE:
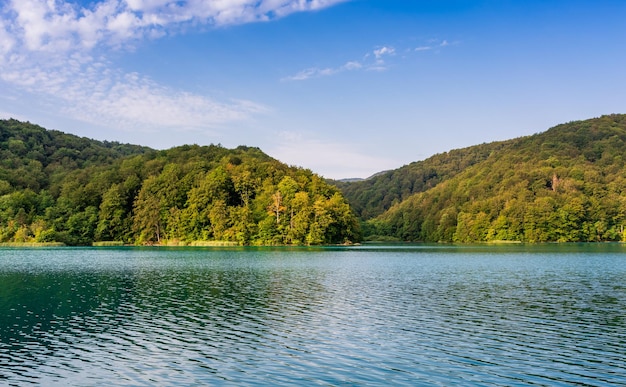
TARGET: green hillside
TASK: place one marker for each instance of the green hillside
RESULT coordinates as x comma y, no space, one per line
56,187
35,158
371,197
566,184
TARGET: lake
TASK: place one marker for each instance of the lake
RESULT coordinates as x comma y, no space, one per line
540,315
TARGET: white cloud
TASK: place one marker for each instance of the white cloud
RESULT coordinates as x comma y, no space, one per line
379,53
52,49
433,44
352,65
135,103
315,72
378,64
6,41
88,90
330,159
62,25
376,60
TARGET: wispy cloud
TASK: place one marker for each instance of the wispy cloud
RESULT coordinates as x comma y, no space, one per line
383,51
375,60
433,44
315,72
89,90
56,50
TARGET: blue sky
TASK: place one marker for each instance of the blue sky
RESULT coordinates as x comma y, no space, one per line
346,88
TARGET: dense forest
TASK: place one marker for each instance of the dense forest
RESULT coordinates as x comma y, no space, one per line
56,187
564,185
371,197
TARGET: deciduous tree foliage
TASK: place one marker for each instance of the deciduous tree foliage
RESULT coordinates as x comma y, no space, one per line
567,184
375,195
58,187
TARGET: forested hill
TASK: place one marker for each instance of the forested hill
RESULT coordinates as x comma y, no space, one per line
566,184
56,187
373,196
33,157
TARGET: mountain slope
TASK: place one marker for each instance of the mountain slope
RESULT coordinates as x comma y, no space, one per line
373,196
56,187
566,184
32,157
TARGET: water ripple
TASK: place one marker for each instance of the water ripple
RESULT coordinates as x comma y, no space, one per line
328,317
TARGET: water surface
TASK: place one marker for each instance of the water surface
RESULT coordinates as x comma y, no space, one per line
367,315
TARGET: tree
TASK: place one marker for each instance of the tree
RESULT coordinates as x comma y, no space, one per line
75,190
276,206
113,223
148,213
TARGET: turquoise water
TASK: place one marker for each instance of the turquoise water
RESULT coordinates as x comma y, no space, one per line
366,315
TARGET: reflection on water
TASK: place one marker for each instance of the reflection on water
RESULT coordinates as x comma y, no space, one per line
430,315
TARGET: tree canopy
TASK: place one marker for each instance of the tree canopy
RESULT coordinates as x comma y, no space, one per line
63,188
567,184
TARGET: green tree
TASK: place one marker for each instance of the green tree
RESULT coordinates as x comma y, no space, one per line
114,221
149,213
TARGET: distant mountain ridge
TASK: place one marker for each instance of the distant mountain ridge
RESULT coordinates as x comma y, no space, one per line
565,184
